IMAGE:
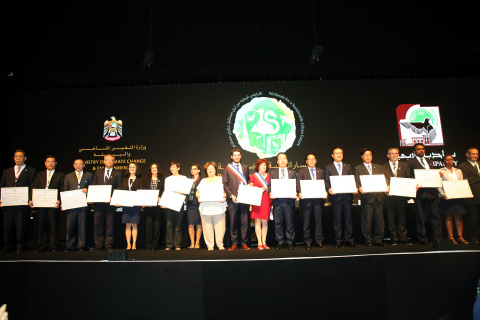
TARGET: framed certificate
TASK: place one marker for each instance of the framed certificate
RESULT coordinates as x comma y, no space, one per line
428,178
373,183
172,200
284,188
99,193
313,189
146,197
457,189
44,198
211,192
73,199
123,198
249,195
343,184
403,187
14,196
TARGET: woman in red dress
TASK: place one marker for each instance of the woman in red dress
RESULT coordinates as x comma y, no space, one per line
261,213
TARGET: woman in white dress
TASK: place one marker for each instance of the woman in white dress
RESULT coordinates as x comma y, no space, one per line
212,212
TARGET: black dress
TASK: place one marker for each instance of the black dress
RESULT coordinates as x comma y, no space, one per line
193,214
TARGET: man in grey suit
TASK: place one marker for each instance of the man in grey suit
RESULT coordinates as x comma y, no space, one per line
311,207
77,218
371,202
395,205
283,208
471,172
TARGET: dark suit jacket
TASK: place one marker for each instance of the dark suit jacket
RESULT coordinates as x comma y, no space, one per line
160,184
116,177
368,197
331,170
422,192
403,171
137,184
24,180
471,174
274,174
304,174
231,181
71,181
56,182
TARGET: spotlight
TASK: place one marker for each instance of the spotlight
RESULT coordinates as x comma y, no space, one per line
317,52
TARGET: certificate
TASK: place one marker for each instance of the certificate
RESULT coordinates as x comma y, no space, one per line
182,185
14,196
172,200
73,199
284,188
211,192
123,198
44,198
99,193
403,187
249,195
428,178
313,189
373,183
457,189
146,197
343,184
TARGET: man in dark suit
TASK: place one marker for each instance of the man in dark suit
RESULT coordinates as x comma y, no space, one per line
15,218
471,172
427,198
341,203
395,205
104,213
48,217
371,202
77,218
234,175
283,207
311,207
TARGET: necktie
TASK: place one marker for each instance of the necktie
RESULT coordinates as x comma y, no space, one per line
369,169
395,169
312,173
283,173
339,168
108,175
78,178
476,167
18,173
422,162
238,167
48,179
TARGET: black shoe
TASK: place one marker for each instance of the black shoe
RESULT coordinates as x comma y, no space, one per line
69,250
97,249
368,244
109,248
338,244
320,245
290,246
424,242
19,250
41,249
308,246
351,244
81,249
394,243
7,250
380,244
405,242
279,246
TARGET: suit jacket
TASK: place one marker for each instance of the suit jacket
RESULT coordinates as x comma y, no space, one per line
137,184
422,192
56,181
331,170
231,181
403,171
274,174
368,197
304,174
160,184
115,180
25,179
471,174
71,181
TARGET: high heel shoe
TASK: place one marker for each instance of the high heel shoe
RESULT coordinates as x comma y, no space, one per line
192,246
462,240
197,245
452,239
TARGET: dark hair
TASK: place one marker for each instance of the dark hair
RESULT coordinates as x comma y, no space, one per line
208,164
79,158
418,144
280,153
159,174
235,150
391,148
447,155
310,153
138,172
365,150
198,167
259,162
337,147
20,150
50,156
468,150
176,163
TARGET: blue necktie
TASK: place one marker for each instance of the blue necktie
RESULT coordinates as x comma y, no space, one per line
313,175
339,168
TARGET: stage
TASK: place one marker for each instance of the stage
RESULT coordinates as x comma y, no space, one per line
391,282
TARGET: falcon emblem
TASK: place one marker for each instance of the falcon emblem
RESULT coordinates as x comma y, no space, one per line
112,129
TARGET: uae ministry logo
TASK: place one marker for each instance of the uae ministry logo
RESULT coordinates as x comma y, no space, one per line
112,129
265,125
417,124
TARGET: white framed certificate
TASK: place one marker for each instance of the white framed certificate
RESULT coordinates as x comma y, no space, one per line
457,189
73,199
343,184
403,187
172,200
428,178
373,183
313,189
182,185
211,192
123,198
249,194
99,193
284,188
146,197
14,196
44,198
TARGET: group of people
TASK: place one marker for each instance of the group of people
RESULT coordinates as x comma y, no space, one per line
208,218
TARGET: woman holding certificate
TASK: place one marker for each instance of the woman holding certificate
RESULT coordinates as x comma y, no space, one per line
261,213
173,218
453,209
212,207
193,213
131,215
153,214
